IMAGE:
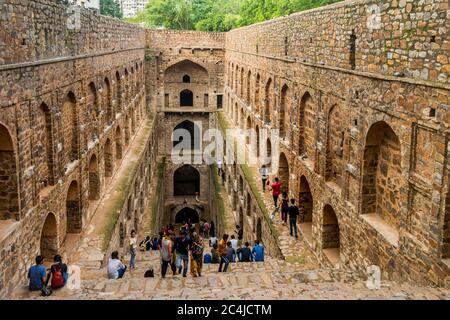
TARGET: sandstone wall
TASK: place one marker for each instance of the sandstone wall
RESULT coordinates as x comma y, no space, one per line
67,96
332,106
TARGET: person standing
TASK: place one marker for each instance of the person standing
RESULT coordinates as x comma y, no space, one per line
133,249
182,245
276,190
222,249
284,207
264,172
235,246
166,254
239,232
205,229
197,256
212,229
37,274
293,214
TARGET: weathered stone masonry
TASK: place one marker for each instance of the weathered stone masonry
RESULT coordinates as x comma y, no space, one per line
71,99
366,136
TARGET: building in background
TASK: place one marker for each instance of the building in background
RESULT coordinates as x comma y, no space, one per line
89,4
131,7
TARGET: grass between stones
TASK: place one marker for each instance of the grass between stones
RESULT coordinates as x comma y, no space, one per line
219,195
224,125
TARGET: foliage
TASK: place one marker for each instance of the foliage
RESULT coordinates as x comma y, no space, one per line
111,8
218,15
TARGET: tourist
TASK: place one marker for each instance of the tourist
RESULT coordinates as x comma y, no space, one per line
155,244
212,241
173,265
245,253
264,176
200,226
58,273
258,252
215,257
231,253
276,187
197,255
240,232
146,244
37,274
222,249
133,249
284,207
182,245
205,229
235,246
212,229
116,268
166,254
293,214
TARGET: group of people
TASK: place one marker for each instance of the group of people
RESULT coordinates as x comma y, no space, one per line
40,277
288,206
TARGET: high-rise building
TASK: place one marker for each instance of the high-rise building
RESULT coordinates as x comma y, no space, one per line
131,7
90,4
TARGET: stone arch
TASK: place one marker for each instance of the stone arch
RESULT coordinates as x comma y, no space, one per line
306,206
49,237
236,79
93,112
118,140
122,233
94,179
241,118
284,172
70,125
241,218
446,227
127,130
283,106
126,94
268,160
108,158
259,230
186,181
187,129
187,213
186,66
335,146
307,127
9,184
242,84
330,235
107,101
118,92
186,98
268,100
248,127
248,205
382,175
73,208
47,139
257,97
258,141
186,79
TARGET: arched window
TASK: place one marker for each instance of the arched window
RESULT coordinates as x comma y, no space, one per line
186,181
186,98
187,130
186,79
186,214
9,188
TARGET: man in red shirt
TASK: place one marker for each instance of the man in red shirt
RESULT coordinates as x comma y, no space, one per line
276,190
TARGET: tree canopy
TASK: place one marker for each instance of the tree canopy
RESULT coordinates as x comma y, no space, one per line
111,8
218,15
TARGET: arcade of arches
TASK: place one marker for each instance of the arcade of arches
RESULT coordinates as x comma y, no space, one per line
363,151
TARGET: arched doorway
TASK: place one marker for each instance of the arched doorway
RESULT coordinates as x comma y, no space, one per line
73,209
9,184
259,230
305,202
268,100
283,107
122,233
331,235
107,101
241,218
187,130
283,172
49,237
307,127
47,140
268,160
186,214
108,157
186,181
186,98
127,130
70,125
257,142
382,175
118,138
94,180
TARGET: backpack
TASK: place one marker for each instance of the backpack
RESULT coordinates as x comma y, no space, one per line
207,258
149,273
57,277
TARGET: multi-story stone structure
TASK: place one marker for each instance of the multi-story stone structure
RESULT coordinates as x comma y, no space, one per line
131,7
359,92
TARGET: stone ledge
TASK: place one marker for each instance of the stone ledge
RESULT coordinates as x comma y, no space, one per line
386,231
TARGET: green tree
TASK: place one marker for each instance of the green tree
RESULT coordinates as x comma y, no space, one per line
111,8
